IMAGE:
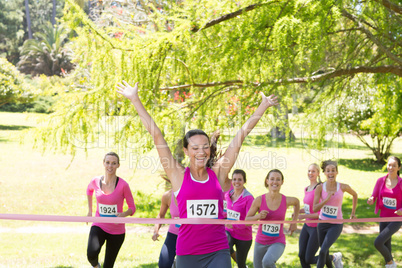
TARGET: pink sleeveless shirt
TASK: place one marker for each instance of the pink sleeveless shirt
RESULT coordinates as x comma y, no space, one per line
200,200
269,234
174,214
308,205
333,208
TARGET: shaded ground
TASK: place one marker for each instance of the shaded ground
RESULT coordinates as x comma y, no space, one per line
347,229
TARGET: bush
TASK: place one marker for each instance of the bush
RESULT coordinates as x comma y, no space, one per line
12,86
41,104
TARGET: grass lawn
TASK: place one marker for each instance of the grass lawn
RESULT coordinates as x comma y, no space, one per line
55,184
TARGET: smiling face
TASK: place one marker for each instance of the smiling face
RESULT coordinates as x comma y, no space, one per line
111,164
313,172
238,181
331,172
274,181
393,167
198,150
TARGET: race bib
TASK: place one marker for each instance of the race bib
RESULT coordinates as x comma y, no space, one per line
389,202
107,210
233,215
177,225
330,211
306,208
202,209
225,205
271,229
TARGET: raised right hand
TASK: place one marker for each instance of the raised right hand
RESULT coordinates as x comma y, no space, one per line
128,91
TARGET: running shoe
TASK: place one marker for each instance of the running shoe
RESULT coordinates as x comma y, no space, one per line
392,265
338,260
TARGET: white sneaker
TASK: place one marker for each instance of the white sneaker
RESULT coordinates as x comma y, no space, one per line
392,265
338,260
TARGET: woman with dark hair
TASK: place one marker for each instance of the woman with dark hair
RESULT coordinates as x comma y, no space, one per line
387,194
168,251
270,240
239,201
198,188
328,198
308,238
110,192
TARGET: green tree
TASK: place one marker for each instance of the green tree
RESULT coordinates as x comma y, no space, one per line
11,29
15,25
220,54
47,54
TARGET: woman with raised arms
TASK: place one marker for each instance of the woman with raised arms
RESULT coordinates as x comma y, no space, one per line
198,188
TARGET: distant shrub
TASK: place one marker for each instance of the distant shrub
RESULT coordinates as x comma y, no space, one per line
12,85
40,104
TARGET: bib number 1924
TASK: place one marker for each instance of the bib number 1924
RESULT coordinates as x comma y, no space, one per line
202,209
107,210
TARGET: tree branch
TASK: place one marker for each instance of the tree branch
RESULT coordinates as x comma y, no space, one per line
390,5
230,16
397,70
213,84
371,36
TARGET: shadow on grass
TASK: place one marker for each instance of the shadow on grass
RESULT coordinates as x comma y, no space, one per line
299,143
366,164
147,205
358,250
363,210
148,265
13,127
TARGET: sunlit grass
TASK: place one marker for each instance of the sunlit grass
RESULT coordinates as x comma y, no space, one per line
55,184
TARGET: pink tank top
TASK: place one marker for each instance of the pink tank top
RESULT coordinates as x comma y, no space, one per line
308,205
333,208
174,214
271,233
200,200
391,201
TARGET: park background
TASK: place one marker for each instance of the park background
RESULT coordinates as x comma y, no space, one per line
335,65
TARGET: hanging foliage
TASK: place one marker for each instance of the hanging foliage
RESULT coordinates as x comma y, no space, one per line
216,56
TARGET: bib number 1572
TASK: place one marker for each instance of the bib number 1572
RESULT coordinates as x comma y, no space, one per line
202,209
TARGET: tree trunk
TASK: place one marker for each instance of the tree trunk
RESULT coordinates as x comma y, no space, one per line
28,19
295,109
54,13
282,132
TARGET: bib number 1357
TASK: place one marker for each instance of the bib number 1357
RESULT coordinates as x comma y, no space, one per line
202,209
